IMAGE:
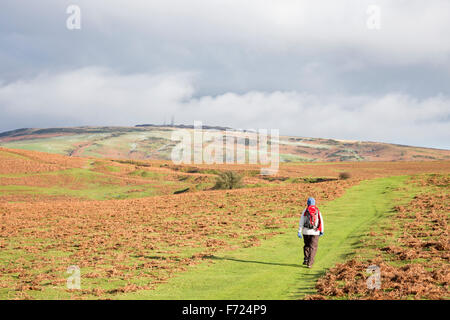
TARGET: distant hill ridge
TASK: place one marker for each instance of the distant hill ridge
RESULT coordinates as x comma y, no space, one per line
152,141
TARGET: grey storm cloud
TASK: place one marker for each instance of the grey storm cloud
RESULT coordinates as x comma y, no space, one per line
305,67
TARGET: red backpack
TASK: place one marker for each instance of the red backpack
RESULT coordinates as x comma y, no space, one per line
312,218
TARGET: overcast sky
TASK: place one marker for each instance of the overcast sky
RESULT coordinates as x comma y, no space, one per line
307,68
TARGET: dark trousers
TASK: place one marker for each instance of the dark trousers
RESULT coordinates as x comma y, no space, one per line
310,248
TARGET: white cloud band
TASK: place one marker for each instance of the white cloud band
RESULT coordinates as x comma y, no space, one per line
98,96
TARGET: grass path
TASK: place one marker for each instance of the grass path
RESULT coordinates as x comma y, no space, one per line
273,270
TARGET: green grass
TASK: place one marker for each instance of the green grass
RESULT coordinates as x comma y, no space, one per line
86,184
97,181
273,270
102,142
294,158
148,174
269,271
59,145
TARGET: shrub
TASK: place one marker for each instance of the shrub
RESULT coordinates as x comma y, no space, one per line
228,180
344,175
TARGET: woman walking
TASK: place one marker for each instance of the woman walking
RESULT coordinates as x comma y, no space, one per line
310,229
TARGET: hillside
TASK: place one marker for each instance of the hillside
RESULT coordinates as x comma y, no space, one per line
154,142
150,229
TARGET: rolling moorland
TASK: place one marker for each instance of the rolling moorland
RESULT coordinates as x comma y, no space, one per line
154,142
139,226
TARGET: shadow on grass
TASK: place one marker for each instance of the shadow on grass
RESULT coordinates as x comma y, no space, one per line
258,262
307,283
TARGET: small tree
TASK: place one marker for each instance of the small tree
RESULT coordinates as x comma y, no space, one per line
344,175
228,180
